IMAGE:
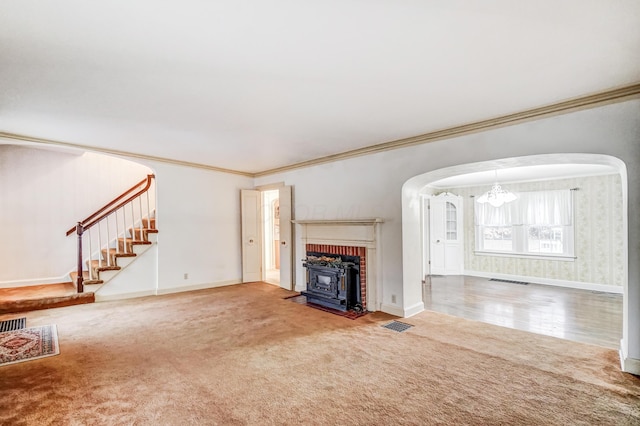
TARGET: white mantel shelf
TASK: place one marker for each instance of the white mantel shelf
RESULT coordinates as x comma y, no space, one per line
339,221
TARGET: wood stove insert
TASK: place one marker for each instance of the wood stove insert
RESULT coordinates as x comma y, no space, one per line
333,281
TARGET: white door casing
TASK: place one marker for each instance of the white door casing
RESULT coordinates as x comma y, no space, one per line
251,221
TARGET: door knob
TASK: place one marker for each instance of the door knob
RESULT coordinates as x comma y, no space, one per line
284,243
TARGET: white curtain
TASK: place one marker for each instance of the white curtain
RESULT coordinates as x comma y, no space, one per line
530,208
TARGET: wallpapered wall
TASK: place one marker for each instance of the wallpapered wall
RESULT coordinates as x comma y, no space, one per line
598,233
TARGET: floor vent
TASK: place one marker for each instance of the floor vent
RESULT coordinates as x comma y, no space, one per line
509,281
13,324
397,326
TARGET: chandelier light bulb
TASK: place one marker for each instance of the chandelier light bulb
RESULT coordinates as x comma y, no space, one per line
497,196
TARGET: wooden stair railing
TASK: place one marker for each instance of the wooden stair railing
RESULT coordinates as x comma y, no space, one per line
123,245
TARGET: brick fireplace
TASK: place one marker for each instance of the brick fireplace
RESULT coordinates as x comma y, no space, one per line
347,251
351,237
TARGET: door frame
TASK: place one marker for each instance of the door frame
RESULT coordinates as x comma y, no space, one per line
277,186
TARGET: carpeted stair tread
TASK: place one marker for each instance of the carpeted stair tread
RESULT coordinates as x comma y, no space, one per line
85,276
113,252
128,243
142,234
131,241
149,223
149,230
95,264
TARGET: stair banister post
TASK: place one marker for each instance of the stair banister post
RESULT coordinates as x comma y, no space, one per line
80,279
141,216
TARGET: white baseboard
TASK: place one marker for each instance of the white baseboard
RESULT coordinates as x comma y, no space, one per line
414,309
123,296
628,365
549,281
36,281
392,309
197,287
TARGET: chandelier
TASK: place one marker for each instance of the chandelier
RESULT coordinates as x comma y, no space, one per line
497,196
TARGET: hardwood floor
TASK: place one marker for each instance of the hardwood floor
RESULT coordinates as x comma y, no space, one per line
578,315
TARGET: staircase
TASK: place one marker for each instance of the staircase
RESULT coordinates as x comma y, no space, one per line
111,260
108,241
110,238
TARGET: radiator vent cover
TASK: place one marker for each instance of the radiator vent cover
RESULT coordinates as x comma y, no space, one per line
397,326
509,281
13,324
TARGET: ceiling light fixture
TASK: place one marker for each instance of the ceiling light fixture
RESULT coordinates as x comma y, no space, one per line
497,196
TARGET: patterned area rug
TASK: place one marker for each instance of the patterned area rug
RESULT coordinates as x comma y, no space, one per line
28,343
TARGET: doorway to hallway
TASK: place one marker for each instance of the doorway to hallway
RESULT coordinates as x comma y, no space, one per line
271,236
267,252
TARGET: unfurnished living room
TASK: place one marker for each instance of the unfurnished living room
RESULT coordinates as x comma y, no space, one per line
355,212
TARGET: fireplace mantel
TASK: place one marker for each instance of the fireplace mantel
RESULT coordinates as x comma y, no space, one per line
350,233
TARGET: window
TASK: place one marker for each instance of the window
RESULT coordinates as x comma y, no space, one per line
545,239
497,238
537,223
452,225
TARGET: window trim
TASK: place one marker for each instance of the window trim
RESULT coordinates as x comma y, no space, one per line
546,256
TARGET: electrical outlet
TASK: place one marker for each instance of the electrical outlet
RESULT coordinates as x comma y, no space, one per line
186,276
393,298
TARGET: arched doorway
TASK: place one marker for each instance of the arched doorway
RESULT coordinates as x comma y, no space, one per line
413,190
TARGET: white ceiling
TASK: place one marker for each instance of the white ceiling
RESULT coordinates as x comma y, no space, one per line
257,84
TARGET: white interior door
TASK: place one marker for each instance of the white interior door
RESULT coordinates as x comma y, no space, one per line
286,239
251,213
445,235
436,236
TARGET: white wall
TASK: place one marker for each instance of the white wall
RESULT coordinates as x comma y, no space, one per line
198,220
43,193
371,186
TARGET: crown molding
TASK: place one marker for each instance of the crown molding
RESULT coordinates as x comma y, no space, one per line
580,103
585,102
50,142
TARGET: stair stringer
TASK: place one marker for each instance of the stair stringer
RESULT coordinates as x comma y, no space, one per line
137,279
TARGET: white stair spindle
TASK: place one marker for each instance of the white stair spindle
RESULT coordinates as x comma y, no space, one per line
117,233
133,225
141,216
148,210
99,244
108,243
124,232
88,233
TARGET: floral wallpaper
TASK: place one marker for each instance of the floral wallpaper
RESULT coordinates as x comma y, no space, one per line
598,233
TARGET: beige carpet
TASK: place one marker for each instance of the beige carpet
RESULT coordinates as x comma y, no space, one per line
245,355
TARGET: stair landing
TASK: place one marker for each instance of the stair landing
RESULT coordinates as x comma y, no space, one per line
31,298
